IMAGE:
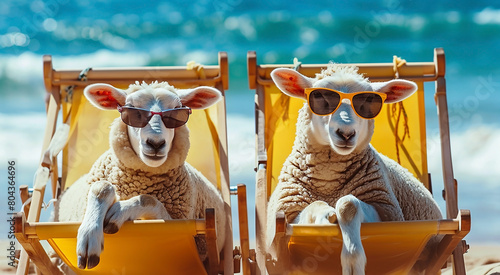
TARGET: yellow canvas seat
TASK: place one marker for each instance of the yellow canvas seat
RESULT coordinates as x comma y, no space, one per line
400,133
140,247
116,257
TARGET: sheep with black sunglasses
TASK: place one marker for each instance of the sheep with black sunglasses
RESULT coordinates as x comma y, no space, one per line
144,174
333,174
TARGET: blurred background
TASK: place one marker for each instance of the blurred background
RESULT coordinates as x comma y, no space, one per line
84,33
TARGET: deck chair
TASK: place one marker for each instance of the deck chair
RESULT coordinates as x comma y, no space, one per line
391,247
140,247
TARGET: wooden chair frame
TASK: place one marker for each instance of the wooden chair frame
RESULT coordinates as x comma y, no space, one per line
457,224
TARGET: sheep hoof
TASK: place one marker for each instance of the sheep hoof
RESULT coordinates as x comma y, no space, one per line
82,262
332,218
93,261
111,228
88,262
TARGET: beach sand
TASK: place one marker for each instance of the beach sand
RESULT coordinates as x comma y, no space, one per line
481,259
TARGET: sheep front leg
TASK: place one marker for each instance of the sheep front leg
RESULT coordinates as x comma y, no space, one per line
138,207
90,238
351,212
318,212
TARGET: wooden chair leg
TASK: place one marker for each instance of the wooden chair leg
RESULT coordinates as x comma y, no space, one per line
261,220
243,225
211,237
34,248
458,261
278,258
23,265
451,243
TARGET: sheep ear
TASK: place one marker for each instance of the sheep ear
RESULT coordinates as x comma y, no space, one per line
291,82
104,96
396,90
199,98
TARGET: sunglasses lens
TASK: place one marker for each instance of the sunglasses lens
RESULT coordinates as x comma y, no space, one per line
367,105
323,102
175,118
135,117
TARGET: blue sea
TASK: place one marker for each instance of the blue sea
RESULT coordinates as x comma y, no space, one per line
98,33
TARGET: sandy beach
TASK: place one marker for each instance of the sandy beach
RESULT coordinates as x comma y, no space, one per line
480,259
5,268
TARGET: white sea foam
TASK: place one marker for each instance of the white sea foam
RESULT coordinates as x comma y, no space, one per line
474,155
475,162
29,65
487,16
241,142
22,138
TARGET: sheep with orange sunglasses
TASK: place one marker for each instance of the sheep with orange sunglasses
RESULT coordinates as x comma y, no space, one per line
333,174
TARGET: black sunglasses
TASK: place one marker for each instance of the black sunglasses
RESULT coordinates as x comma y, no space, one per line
136,117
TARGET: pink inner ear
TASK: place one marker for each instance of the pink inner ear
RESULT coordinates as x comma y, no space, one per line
393,95
199,100
292,84
399,87
105,98
195,103
205,95
295,88
396,92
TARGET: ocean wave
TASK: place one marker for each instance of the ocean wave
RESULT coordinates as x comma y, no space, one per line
22,138
474,155
171,29
478,148
28,65
241,143
487,16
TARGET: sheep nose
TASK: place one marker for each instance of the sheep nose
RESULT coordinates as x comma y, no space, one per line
156,144
345,135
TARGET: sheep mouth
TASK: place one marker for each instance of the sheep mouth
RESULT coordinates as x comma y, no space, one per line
343,148
152,153
344,144
153,156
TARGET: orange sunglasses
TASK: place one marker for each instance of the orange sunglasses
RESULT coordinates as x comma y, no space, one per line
324,101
